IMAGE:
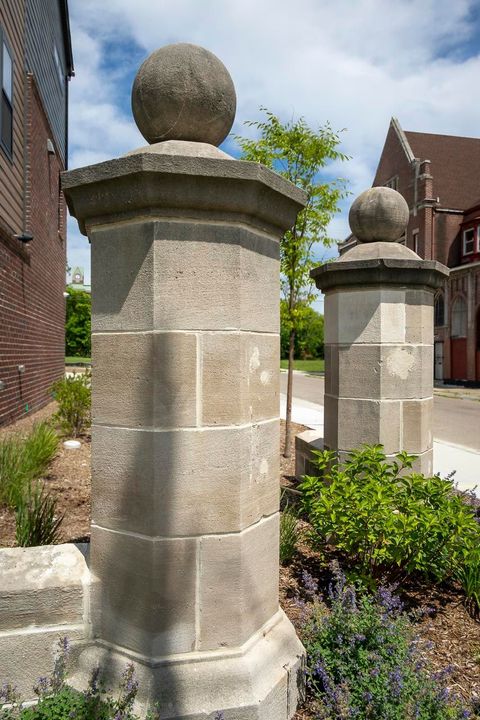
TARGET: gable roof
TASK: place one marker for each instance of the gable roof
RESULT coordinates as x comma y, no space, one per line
454,166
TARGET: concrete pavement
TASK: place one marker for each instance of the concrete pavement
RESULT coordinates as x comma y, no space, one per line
456,444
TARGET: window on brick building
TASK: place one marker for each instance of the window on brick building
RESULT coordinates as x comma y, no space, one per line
392,183
6,110
459,318
469,238
415,241
440,309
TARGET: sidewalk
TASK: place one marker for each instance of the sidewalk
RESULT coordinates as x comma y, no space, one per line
446,457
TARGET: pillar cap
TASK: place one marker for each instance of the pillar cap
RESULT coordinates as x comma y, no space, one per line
190,185
380,271
184,92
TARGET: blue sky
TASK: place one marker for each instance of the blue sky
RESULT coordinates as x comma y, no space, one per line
354,63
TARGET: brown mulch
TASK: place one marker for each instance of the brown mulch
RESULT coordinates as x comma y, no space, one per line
68,479
449,625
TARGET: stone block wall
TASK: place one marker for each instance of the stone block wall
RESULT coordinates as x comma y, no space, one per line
44,596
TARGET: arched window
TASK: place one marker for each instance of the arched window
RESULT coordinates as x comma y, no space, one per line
440,309
459,318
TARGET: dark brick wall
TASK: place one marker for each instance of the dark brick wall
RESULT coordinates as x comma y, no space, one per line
32,278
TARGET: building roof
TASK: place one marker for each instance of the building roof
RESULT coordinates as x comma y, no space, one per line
67,38
454,166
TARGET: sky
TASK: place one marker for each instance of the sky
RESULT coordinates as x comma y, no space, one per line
352,63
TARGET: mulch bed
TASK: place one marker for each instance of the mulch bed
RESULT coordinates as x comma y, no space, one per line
449,625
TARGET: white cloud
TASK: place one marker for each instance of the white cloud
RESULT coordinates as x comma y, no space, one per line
352,62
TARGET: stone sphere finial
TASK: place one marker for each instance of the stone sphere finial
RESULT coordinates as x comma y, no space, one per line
183,92
379,215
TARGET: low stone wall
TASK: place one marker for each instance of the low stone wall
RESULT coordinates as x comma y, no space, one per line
305,443
44,596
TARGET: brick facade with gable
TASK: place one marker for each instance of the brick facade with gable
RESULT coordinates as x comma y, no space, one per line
438,177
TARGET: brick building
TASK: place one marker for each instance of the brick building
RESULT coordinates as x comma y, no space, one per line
438,177
35,67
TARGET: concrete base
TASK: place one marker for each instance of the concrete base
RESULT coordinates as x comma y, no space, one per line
305,443
262,680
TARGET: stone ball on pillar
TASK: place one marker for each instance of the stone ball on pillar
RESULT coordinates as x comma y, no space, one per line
379,214
183,92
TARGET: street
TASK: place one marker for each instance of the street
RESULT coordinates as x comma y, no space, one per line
455,421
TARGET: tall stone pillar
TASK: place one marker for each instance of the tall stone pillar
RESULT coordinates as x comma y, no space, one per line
379,299
185,436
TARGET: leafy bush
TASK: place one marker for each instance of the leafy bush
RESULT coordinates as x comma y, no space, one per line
59,701
289,534
468,575
74,397
365,661
36,521
78,323
22,460
389,522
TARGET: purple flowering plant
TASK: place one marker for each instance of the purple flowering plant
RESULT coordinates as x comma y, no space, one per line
364,660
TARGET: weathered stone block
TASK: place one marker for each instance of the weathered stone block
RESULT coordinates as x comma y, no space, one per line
222,266
41,586
29,654
230,473
122,275
381,371
142,580
144,379
305,444
240,378
352,423
365,316
238,584
419,316
417,425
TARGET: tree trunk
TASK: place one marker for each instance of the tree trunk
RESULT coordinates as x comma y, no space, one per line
288,418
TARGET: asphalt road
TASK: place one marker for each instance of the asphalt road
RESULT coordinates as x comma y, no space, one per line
455,421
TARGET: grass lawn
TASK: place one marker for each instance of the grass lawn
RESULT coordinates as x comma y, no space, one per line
305,365
76,360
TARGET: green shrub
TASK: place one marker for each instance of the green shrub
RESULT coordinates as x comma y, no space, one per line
289,534
22,460
73,395
36,519
468,575
389,521
364,660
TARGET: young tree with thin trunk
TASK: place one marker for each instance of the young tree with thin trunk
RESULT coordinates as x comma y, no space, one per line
298,153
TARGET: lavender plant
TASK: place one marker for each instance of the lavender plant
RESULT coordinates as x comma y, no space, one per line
58,701
366,662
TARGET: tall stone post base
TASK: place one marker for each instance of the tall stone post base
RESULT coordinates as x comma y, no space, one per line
262,680
379,301
185,434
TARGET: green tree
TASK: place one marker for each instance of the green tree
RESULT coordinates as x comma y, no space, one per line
299,154
78,323
308,335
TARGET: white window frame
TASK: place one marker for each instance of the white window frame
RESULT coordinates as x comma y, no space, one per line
415,234
459,321
392,183
474,231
